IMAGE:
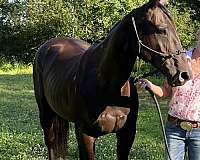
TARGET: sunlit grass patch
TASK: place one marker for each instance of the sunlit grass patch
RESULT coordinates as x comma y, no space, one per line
12,69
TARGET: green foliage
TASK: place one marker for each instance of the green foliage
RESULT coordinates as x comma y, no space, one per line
89,19
15,68
186,26
12,21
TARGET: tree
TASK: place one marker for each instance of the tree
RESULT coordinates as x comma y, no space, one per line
12,19
25,25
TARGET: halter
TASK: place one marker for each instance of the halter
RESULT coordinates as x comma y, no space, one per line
135,80
148,48
164,55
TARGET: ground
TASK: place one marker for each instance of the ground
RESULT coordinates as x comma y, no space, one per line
21,135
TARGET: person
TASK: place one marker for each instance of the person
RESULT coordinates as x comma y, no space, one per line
183,122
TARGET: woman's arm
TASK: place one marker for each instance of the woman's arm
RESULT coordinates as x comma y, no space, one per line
163,92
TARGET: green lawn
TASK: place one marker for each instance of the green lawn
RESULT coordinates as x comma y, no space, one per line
21,136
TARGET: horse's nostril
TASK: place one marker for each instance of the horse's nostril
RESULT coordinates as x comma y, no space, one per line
184,76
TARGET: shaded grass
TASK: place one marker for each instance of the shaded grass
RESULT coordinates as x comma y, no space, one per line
20,133
21,136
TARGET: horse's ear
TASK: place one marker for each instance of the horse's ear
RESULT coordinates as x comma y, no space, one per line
163,2
158,2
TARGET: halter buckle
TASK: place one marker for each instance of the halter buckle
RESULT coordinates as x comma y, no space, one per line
186,126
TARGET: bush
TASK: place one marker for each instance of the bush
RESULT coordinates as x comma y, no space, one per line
186,26
27,24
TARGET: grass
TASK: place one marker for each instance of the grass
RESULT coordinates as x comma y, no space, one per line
21,137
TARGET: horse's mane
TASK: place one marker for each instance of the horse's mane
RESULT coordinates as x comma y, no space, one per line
137,12
152,4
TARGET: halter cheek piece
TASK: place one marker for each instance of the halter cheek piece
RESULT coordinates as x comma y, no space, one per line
163,55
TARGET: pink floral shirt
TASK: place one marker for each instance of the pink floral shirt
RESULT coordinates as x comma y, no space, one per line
185,102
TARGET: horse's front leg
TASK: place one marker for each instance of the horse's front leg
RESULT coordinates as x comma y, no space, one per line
86,144
125,136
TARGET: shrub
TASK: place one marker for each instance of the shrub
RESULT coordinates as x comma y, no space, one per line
25,25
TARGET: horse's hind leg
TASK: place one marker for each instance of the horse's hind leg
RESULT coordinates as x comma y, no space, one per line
55,128
86,145
55,133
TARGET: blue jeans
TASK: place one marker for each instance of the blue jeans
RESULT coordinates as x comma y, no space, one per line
181,142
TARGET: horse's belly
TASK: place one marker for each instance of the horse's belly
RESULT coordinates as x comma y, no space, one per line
65,101
60,89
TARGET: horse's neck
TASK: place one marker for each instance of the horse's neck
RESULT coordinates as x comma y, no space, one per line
117,59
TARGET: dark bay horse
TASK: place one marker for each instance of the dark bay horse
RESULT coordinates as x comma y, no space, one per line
87,85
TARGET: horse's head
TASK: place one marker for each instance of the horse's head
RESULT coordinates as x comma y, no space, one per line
160,43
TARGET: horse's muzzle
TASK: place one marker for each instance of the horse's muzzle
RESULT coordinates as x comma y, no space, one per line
179,79
184,76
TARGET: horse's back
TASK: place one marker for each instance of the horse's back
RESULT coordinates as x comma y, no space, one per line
56,65
60,48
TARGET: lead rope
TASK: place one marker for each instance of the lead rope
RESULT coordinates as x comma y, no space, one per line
139,41
161,120
148,89
135,80
140,44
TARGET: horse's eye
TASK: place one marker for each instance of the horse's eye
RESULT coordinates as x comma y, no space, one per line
169,56
162,29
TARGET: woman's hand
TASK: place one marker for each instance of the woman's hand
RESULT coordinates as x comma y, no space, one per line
143,83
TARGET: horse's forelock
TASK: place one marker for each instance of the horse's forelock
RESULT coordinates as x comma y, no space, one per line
159,14
166,11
